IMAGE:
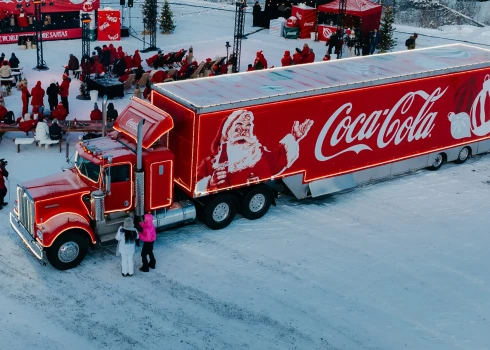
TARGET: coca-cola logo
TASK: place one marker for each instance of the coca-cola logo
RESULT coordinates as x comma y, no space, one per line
111,19
327,32
132,124
115,37
104,26
341,126
309,24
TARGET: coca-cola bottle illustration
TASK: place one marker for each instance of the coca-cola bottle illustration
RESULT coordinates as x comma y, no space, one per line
480,113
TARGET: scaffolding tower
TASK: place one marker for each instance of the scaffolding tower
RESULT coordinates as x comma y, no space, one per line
238,34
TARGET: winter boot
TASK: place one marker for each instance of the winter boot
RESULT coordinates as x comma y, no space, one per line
124,275
152,264
144,269
4,204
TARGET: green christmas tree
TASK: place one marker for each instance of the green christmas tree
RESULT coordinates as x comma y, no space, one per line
387,41
149,12
166,19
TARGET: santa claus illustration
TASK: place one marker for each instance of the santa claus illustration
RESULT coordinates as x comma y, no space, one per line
238,157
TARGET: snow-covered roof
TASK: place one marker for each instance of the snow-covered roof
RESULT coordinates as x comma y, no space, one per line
272,85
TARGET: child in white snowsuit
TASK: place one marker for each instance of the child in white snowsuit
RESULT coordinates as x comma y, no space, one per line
127,236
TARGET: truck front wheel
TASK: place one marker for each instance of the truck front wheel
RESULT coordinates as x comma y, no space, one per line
68,250
219,211
256,202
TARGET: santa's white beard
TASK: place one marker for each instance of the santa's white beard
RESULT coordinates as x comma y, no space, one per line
240,155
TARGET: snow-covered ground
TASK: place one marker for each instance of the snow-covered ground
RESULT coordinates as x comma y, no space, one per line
401,264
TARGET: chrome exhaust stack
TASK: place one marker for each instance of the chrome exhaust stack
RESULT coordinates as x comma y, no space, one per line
139,174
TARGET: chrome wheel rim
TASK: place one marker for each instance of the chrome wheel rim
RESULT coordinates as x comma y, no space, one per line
68,252
437,161
221,212
257,203
463,154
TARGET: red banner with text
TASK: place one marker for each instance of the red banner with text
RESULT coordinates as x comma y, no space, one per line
50,6
307,19
109,22
58,34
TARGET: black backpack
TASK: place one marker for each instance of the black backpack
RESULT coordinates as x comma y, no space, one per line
9,118
409,42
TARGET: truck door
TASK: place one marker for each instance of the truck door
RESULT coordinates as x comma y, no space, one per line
121,194
161,184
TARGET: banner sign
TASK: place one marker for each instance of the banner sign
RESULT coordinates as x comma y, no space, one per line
50,6
337,133
324,32
307,17
109,25
57,34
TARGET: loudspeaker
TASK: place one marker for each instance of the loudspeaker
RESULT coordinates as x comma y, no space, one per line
122,2
130,3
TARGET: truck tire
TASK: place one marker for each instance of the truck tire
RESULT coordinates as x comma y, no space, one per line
440,159
256,202
219,211
463,155
68,250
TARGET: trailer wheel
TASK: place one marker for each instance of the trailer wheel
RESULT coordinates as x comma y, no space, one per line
219,211
256,202
68,250
438,161
463,155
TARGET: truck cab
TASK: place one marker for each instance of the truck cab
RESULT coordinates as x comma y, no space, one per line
129,172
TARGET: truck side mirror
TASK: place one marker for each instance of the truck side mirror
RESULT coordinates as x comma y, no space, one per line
107,180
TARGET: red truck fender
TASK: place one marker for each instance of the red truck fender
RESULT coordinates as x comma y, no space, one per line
63,222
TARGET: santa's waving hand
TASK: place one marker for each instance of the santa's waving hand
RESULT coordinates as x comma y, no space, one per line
300,130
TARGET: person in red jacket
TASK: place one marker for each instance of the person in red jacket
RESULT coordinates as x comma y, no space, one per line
260,61
25,97
59,112
37,95
137,59
326,57
286,60
120,52
311,57
250,68
297,58
96,114
113,51
3,112
125,76
26,123
128,61
65,91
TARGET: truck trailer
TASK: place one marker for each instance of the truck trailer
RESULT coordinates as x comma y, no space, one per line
214,147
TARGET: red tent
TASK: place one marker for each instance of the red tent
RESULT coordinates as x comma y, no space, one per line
368,11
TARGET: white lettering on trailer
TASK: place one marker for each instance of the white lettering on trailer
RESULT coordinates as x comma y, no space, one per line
391,130
132,124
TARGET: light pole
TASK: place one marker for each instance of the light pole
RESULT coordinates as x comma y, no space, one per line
41,65
227,48
85,65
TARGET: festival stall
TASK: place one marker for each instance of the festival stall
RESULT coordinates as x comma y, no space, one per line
60,19
307,17
109,25
363,13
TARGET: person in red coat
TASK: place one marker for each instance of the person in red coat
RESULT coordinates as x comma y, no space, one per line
137,59
311,57
260,61
25,97
286,60
3,111
125,76
26,124
120,52
59,112
96,114
37,95
326,57
128,61
113,51
297,58
250,68
65,91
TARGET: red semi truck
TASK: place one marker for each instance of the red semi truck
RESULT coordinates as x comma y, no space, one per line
213,147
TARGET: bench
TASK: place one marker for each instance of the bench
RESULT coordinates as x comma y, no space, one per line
23,141
49,142
8,81
76,73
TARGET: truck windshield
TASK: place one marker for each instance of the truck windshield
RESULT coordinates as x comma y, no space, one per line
88,169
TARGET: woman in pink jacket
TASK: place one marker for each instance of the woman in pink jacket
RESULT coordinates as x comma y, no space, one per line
148,236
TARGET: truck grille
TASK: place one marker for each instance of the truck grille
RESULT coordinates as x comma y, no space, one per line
26,210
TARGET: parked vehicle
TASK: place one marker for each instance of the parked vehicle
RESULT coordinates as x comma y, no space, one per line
216,146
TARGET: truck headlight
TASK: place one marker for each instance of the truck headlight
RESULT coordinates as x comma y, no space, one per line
39,234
